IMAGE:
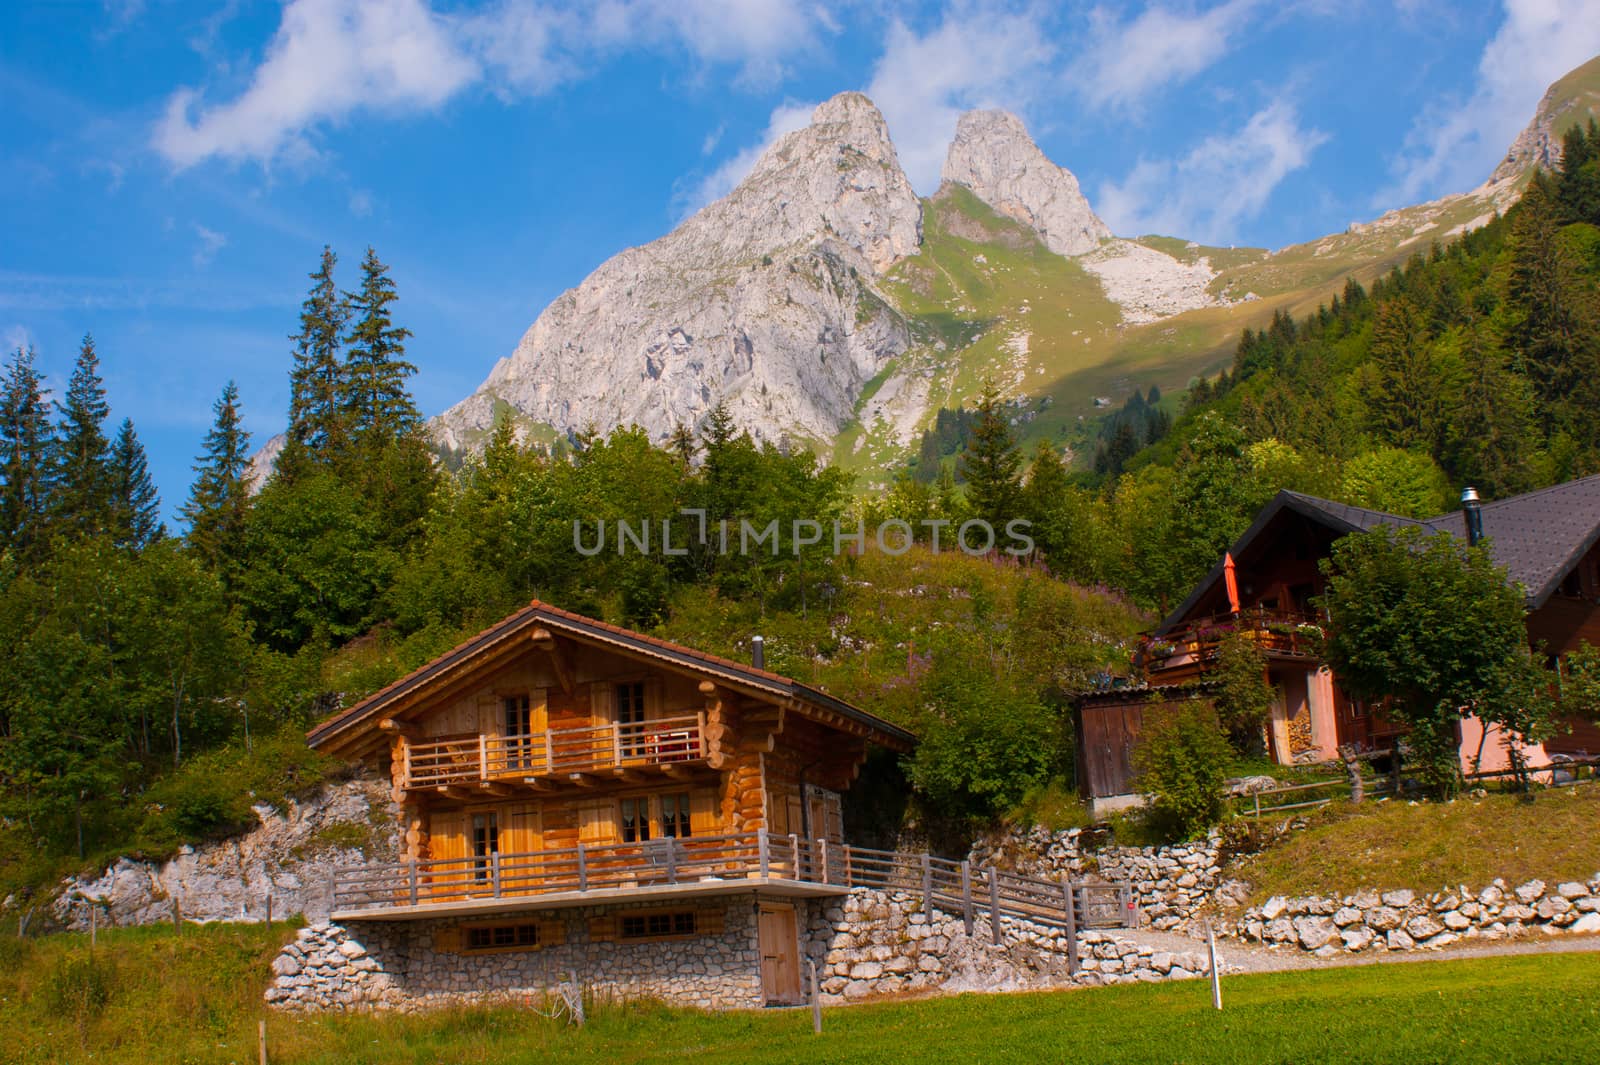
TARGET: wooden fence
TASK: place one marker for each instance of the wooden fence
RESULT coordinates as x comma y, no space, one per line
961,889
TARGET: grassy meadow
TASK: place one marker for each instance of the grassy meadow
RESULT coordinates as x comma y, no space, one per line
154,996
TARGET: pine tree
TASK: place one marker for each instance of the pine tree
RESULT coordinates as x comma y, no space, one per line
83,496
991,465
135,505
318,433
220,497
26,442
377,404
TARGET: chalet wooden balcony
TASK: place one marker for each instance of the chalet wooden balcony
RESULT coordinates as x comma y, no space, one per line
1193,647
555,754
707,866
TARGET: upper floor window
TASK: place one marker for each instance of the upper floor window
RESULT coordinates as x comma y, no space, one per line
518,714
630,718
675,815
635,820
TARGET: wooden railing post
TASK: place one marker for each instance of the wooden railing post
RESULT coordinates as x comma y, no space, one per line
927,884
405,760
483,756
994,905
415,888
763,857
583,870
827,873
672,860
549,753
616,744
1072,927
700,733
494,872
794,858
966,895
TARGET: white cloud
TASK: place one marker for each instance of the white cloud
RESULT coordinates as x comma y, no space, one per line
1226,180
976,57
331,59
1454,144
786,118
360,203
328,59
211,242
1124,61
17,338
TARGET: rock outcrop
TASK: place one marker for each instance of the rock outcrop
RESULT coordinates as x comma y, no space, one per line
765,300
993,156
1539,144
288,856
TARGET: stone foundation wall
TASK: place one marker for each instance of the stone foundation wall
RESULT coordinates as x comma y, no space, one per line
1404,920
1169,883
395,965
882,943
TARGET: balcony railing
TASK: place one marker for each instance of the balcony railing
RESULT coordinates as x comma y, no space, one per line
1279,634
703,862
555,752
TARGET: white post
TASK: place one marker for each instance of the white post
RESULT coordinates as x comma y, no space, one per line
1216,975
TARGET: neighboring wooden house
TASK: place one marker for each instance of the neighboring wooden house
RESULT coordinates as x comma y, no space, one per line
1548,541
632,805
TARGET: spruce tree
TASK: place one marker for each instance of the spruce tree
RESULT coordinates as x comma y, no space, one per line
317,433
135,505
991,465
26,442
377,404
83,496
219,499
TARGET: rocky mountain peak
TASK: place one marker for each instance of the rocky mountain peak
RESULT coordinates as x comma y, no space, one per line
1573,98
993,156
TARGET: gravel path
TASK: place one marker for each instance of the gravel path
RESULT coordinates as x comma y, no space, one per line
1237,957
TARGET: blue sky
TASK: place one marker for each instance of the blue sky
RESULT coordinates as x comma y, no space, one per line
171,170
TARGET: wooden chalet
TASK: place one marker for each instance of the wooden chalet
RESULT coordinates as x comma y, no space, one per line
1548,541
554,761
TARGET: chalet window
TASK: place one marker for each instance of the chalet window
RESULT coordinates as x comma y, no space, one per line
675,815
635,820
630,718
517,714
485,841
501,937
658,925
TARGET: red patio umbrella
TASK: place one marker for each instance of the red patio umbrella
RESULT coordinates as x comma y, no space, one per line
1230,580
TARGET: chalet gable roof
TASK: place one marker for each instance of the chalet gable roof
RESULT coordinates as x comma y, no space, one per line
341,729
1537,536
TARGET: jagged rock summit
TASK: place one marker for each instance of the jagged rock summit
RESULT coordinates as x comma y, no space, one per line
765,300
993,156
1569,100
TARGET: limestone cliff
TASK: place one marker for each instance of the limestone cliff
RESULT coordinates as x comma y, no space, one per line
765,299
993,156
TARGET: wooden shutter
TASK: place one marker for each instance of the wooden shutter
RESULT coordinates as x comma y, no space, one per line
491,715
602,702
708,921
602,929
704,819
519,829
539,709
447,940
597,823
447,835
552,932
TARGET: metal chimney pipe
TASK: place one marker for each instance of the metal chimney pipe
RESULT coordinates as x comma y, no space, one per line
758,652
1472,514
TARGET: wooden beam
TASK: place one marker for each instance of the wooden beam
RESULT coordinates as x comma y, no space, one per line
451,791
583,780
546,641
537,784
490,787
409,729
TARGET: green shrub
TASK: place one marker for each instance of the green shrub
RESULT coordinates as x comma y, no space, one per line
1181,762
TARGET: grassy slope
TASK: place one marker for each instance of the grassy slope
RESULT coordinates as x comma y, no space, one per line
1426,846
195,998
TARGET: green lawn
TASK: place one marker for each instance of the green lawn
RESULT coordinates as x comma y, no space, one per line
195,998
1427,845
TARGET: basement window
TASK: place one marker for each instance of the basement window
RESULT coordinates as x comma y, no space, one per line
501,937
658,925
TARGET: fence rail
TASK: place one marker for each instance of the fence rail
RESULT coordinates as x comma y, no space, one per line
959,888
553,752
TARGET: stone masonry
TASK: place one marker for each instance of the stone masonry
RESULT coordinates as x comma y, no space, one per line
1404,920
1171,884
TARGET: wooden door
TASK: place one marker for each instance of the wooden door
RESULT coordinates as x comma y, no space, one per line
778,940
520,838
449,869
